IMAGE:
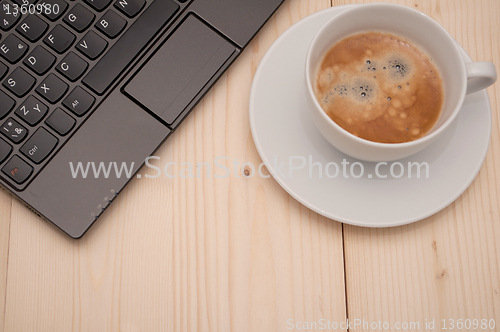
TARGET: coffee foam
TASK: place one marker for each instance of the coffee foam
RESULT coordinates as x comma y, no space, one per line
377,77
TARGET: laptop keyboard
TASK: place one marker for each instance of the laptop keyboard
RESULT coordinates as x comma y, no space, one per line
57,59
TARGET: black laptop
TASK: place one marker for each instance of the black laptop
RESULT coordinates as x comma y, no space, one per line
104,81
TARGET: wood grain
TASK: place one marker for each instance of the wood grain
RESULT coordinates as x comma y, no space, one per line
447,266
202,254
239,254
5,204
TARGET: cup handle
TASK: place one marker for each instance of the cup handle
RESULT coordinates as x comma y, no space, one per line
480,75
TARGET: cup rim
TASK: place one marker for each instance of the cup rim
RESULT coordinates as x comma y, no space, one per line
419,141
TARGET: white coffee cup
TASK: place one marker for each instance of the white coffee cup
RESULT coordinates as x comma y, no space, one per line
459,78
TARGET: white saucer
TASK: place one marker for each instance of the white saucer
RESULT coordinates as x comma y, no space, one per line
282,127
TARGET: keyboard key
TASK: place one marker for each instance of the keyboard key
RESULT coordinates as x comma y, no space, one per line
130,7
3,70
92,45
12,49
14,131
6,104
79,101
98,5
79,18
32,27
17,169
32,111
19,82
61,122
124,51
52,88
8,16
111,24
72,66
25,2
39,146
56,8
5,150
40,60
59,39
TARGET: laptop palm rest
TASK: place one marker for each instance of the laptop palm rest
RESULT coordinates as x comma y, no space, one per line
80,182
179,69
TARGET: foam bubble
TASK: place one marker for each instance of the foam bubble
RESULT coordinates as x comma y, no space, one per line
370,65
398,66
342,90
354,89
362,90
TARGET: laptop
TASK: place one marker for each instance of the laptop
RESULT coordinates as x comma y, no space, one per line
104,81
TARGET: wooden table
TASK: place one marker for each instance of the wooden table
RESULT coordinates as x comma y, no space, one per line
240,254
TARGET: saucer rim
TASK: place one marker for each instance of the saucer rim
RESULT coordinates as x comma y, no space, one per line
296,196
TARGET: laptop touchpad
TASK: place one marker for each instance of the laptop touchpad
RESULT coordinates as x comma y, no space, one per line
179,69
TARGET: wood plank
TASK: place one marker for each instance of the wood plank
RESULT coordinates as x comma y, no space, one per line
447,266
202,254
5,206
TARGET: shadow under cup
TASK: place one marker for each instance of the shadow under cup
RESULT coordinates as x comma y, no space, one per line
421,31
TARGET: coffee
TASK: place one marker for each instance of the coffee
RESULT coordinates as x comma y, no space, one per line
380,87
